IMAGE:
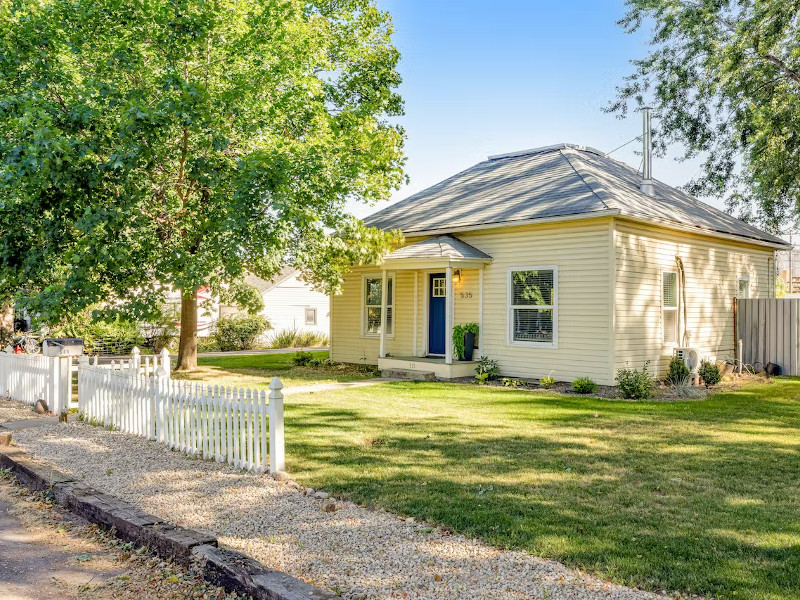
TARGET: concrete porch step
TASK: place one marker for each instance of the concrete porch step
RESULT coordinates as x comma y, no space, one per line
412,374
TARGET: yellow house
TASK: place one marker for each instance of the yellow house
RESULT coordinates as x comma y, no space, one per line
568,261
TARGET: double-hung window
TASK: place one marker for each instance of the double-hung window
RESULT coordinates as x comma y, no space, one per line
311,316
533,306
372,294
669,303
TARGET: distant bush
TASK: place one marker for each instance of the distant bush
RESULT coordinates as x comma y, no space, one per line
302,358
163,331
635,384
678,371
114,336
294,338
710,373
239,332
207,344
584,385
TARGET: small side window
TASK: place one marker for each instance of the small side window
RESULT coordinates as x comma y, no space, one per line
669,295
311,316
744,288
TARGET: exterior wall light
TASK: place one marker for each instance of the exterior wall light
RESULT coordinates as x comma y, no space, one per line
456,275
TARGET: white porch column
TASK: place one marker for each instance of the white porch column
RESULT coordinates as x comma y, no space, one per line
384,294
449,310
416,309
480,312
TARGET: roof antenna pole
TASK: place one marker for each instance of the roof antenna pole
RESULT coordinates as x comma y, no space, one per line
647,152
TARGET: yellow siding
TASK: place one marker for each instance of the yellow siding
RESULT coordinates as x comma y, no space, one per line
582,252
712,268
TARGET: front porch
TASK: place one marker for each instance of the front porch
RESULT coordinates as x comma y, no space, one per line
428,364
437,271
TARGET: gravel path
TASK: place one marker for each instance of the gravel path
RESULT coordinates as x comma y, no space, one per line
360,553
15,411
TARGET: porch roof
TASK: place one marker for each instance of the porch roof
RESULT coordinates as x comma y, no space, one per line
439,251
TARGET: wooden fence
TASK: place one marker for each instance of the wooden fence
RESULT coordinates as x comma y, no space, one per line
31,377
770,332
241,427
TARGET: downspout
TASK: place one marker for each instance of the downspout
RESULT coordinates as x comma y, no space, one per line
682,291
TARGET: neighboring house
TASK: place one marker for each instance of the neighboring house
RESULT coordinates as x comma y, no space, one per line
567,260
290,303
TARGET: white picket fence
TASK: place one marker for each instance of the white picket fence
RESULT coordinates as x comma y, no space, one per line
239,426
31,377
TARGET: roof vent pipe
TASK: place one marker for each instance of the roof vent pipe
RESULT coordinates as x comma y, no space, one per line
647,152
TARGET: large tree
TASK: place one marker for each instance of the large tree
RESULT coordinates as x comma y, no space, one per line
724,78
185,143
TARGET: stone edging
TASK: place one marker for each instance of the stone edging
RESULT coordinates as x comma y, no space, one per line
220,566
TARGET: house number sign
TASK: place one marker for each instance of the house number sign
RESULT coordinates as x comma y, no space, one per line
465,294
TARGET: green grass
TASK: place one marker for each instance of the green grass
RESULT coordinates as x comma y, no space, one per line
257,370
696,497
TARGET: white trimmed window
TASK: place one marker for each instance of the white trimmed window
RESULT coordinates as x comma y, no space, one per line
669,297
744,288
311,316
533,306
372,292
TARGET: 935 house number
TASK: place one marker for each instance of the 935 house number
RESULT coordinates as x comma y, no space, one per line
466,295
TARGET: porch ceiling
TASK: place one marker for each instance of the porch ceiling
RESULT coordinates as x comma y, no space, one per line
437,252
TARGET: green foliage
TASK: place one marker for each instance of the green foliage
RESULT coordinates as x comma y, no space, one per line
294,338
458,337
239,332
548,381
488,367
482,378
635,384
724,78
207,344
160,144
683,388
584,385
678,371
162,331
302,358
709,372
114,336
512,382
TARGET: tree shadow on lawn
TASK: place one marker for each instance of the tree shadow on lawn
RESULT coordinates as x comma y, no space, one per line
697,500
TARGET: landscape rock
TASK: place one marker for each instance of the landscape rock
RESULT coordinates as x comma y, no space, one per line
5,438
322,495
41,408
328,506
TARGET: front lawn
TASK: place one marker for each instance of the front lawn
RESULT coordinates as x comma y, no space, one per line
257,370
697,497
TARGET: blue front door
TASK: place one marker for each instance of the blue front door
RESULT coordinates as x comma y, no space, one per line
436,314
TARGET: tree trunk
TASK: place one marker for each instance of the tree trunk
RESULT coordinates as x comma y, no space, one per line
187,347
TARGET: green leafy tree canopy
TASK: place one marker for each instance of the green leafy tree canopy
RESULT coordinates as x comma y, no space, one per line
187,143
724,79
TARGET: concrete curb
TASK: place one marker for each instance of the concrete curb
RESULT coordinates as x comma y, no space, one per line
233,570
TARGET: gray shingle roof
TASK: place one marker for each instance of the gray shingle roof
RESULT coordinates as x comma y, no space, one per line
443,246
557,181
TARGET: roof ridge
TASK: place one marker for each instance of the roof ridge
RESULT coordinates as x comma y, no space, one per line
583,178
543,149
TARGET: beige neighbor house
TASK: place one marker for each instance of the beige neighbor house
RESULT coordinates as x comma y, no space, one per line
568,261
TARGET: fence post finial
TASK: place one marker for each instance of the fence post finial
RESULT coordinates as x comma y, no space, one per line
96,360
83,360
165,361
277,457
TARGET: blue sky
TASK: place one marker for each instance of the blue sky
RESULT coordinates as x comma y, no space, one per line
487,77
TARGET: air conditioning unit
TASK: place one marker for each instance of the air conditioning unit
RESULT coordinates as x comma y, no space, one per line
690,357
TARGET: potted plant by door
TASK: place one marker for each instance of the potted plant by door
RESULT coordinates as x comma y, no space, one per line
464,340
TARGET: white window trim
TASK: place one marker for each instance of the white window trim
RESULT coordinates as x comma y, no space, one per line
305,311
363,301
510,308
738,285
676,308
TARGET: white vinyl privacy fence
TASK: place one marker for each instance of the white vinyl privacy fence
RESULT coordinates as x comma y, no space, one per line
31,377
239,426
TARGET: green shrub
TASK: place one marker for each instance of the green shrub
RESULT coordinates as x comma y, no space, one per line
239,332
635,384
207,344
163,331
113,336
584,385
678,371
302,358
548,382
283,339
488,367
310,339
710,372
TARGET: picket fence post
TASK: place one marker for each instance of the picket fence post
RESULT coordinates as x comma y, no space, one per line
277,461
83,391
